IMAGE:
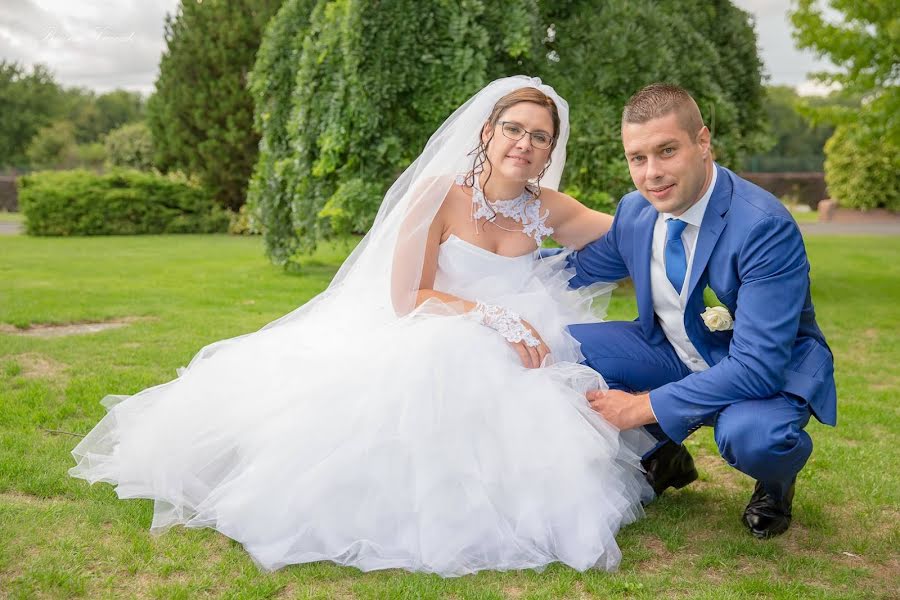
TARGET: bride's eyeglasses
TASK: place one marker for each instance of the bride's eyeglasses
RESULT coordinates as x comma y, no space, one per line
539,139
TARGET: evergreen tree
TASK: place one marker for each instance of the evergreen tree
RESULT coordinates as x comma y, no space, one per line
201,114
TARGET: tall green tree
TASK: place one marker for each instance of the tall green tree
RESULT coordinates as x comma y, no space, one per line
28,102
347,92
201,114
863,157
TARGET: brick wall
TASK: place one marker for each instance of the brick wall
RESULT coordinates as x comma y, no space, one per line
803,187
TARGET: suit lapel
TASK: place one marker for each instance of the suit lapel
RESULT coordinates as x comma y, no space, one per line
643,242
711,227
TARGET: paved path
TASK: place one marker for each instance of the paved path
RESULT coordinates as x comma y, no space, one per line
10,228
885,228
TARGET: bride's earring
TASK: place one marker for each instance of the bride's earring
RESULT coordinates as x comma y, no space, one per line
537,181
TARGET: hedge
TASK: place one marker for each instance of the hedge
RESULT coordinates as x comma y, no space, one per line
123,202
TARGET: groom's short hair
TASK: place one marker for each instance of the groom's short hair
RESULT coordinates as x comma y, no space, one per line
660,99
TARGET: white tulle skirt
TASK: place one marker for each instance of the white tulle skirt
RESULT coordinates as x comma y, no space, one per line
421,444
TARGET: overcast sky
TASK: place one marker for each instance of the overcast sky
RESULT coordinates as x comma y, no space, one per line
117,43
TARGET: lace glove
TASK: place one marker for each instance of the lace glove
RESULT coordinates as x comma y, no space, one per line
505,322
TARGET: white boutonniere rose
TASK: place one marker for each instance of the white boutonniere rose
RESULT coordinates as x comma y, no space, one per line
717,318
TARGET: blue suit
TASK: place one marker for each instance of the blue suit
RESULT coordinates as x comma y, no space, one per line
766,375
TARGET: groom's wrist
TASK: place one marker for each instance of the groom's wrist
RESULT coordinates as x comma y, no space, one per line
645,408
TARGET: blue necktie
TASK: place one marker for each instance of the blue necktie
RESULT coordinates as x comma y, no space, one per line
676,259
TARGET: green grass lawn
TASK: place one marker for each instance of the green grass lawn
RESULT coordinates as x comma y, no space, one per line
11,217
61,538
805,216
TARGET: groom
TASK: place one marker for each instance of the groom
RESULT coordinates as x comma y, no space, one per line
754,373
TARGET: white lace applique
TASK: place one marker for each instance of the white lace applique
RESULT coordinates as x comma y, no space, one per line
505,322
525,210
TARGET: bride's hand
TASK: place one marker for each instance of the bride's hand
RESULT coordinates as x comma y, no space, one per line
532,357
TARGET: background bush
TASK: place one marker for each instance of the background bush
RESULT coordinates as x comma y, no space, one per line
121,202
861,170
130,146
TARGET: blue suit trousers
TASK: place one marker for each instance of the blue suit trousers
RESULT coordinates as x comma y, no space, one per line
762,437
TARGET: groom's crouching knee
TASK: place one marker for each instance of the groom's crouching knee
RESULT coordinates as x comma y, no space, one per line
608,348
763,448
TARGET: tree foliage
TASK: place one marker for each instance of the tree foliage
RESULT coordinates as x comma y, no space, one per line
795,140
864,44
130,146
55,146
94,115
57,127
347,92
28,102
201,115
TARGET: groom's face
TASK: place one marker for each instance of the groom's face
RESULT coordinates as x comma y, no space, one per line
669,165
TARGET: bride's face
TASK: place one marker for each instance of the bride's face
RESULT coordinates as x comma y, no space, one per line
519,160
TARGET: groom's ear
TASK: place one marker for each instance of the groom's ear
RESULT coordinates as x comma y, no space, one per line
704,140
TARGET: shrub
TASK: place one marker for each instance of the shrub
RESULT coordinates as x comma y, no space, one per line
244,222
122,202
861,169
130,146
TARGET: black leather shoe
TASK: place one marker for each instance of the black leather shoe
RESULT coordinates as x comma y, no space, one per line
670,466
767,516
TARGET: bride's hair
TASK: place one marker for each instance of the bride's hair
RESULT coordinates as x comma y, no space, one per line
525,94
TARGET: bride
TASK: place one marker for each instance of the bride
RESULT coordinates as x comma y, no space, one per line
427,410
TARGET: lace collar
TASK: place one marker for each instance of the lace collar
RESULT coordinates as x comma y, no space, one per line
524,209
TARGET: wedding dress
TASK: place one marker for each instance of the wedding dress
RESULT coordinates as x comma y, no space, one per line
424,445
352,433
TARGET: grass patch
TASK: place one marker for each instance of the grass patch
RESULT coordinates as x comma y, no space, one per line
11,217
804,216
62,538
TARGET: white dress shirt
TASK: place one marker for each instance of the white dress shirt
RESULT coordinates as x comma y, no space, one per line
667,303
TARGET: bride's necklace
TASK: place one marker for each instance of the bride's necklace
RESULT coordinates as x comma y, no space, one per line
524,209
514,208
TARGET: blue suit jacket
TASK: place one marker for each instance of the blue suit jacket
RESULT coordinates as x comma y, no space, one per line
750,252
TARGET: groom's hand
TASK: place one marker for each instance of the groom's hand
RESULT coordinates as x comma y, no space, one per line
621,409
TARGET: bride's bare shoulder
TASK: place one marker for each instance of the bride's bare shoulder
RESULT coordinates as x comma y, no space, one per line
458,199
554,199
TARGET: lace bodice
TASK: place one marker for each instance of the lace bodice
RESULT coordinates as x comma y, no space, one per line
525,209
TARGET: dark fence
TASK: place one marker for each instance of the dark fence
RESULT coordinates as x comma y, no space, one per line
796,188
9,197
